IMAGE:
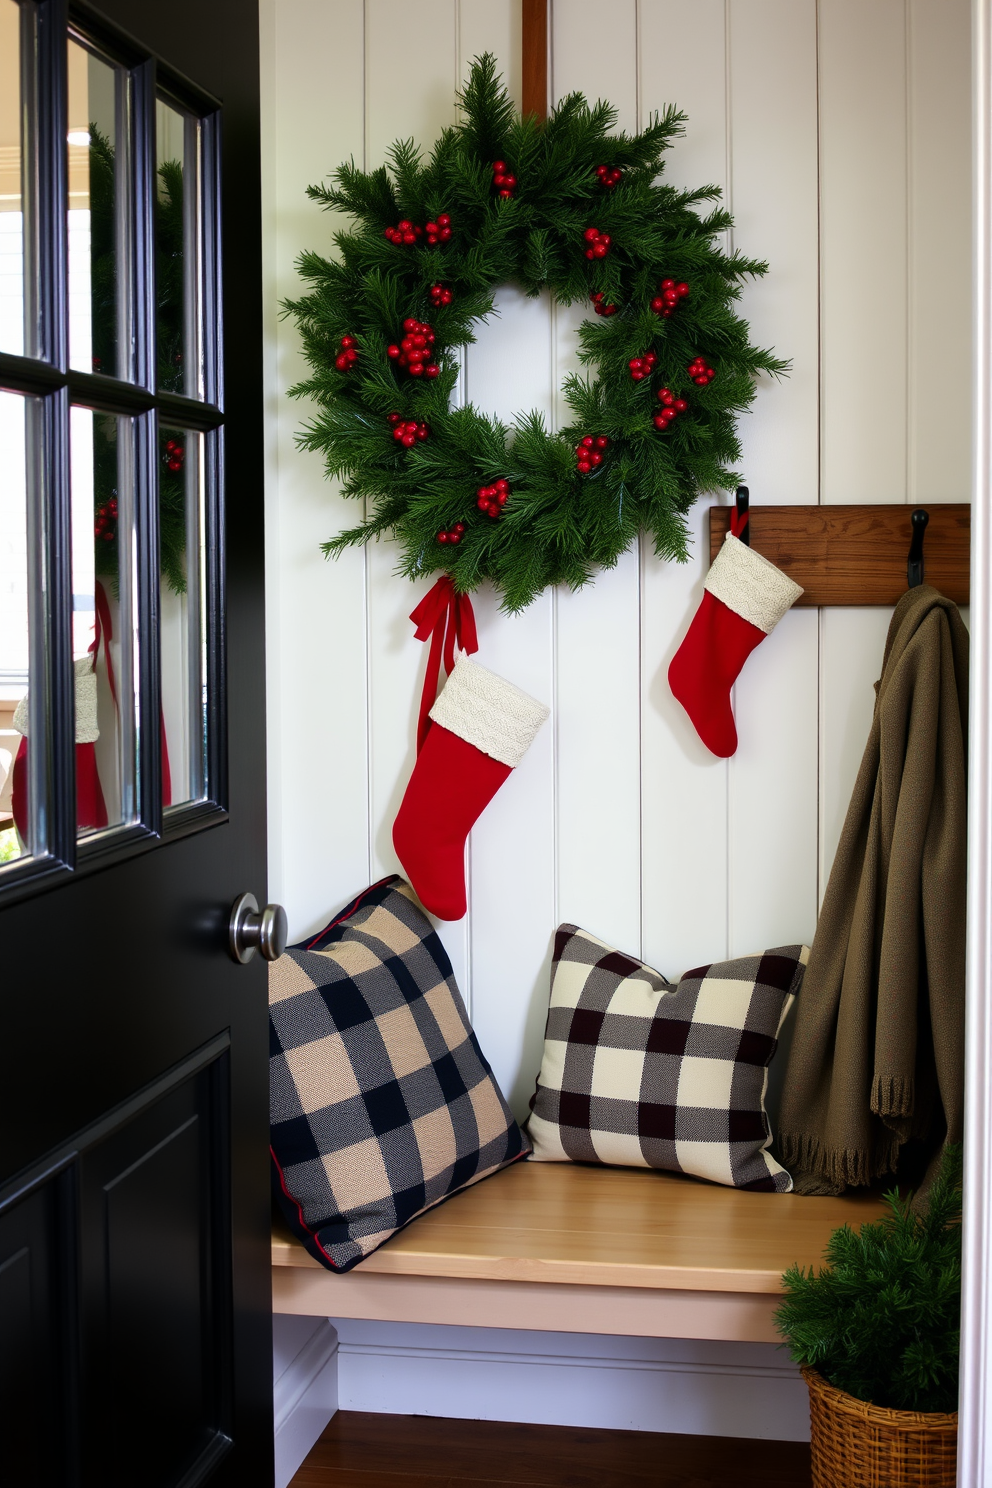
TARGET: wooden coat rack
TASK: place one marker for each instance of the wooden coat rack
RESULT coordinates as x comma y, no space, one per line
534,47
857,555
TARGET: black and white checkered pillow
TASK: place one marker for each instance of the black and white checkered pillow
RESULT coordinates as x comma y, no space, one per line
641,1073
382,1103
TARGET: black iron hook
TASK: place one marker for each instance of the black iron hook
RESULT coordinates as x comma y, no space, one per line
915,567
742,500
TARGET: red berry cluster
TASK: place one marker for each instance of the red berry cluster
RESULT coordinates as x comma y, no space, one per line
453,535
700,373
439,231
105,525
492,499
670,295
503,181
440,295
174,454
597,298
590,452
598,242
671,408
348,355
608,177
407,431
414,351
404,232
642,366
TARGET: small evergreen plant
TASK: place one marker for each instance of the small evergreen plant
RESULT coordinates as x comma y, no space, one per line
882,1319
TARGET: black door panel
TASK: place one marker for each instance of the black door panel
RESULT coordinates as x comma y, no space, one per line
34,1414
135,1309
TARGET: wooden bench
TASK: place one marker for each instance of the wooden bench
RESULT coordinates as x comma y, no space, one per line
581,1250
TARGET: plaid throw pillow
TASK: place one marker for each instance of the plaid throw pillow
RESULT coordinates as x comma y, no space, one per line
382,1103
641,1073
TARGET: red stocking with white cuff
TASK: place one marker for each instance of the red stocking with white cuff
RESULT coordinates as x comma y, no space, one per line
745,598
481,728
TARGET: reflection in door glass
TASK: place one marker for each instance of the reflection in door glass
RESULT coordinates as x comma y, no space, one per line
181,485
101,477
176,234
93,139
11,205
15,829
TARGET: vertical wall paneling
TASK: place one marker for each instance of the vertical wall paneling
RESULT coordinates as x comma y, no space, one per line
682,61
598,629
411,75
316,652
864,248
772,130
940,296
895,181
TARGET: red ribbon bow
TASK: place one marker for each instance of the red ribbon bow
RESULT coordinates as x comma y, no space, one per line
447,617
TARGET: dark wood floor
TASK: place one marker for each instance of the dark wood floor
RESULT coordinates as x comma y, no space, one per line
361,1450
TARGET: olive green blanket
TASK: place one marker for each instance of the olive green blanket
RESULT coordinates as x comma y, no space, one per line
877,1055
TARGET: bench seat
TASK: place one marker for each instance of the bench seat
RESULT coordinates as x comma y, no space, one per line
577,1249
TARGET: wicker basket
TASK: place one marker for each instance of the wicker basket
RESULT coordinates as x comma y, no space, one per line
857,1445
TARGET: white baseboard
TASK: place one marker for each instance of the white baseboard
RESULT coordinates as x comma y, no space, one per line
305,1392
636,1384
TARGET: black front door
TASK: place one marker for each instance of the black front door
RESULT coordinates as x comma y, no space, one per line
135,1323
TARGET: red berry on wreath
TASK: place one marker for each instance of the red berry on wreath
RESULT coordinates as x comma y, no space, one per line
589,452
598,298
442,537
642,366
348,355
414,351
599,242
503,181
608,177
441,295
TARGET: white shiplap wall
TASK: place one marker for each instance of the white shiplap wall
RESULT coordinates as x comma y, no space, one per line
839,134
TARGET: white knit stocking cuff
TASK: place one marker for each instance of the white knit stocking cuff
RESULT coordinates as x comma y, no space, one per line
87,728
489,712
749,585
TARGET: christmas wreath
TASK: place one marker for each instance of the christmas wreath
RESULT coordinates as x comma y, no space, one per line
564,205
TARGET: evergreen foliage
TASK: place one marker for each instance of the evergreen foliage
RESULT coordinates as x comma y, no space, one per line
557,526
881,1320
169,327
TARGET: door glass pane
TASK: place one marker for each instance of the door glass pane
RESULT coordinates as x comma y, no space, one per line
15,812
181,477
177,142
94,137
102,483
11,205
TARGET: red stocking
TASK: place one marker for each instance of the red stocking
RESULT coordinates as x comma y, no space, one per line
745,598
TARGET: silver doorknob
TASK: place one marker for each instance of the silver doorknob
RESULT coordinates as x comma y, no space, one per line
250,931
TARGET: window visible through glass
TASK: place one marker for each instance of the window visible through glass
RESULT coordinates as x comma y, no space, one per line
181,484
15,814
101,478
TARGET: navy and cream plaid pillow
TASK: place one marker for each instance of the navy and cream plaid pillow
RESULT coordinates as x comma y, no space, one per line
641,1073
382,1103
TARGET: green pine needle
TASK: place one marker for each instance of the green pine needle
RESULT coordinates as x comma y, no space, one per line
882,1319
